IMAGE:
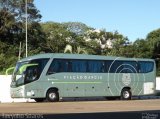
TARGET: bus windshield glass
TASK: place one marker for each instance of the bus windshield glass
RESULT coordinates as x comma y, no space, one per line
29,71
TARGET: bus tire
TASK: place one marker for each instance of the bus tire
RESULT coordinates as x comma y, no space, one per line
39,99
52,95
126,94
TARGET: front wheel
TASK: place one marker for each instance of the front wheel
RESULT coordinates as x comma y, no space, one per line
126,94
52,96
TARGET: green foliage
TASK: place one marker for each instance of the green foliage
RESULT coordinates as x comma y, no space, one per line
141,49
7,24
118,46
2,61
56,37
154,34
12,31
153,39
53,37
158,68
76,27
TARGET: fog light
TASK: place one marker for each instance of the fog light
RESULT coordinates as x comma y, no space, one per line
32,93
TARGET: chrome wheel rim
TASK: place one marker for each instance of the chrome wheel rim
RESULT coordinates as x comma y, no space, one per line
52,96
126,94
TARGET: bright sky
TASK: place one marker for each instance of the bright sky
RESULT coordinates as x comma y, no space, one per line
132,18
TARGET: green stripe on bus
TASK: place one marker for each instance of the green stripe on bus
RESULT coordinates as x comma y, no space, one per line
77,82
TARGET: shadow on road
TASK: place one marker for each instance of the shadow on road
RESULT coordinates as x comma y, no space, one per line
154,114
108,115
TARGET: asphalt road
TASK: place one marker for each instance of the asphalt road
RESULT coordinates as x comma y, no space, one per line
132,108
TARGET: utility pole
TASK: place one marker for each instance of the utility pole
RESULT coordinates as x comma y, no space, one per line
19,56
26,27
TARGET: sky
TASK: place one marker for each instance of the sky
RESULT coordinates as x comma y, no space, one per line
131,18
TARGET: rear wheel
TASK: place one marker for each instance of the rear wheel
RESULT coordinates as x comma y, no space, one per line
52,96
126,94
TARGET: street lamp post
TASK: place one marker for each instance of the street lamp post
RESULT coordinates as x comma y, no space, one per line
26,26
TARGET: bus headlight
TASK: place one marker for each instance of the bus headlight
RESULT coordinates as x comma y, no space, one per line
31,93
22,92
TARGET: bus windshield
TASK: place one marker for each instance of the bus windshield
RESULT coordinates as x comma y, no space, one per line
26,72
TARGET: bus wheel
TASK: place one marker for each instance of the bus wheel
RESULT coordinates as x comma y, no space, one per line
126,94
52,96
39,99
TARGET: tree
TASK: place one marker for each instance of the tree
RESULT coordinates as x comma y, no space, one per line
69,49
7,26
12,30
76,27
153,39
14,11
118,47
141,49
56,37
17,9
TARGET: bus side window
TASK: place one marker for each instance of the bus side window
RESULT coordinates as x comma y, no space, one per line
130,67
57,66
107,65
145,66
103,69
95,66
54,67
63,65
116,67
79,66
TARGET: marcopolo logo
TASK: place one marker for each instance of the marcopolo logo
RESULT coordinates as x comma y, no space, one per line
126,78
150,116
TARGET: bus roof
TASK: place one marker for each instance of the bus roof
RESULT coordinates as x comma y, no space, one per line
80,56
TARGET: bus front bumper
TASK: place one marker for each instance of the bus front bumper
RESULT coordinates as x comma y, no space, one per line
18,92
